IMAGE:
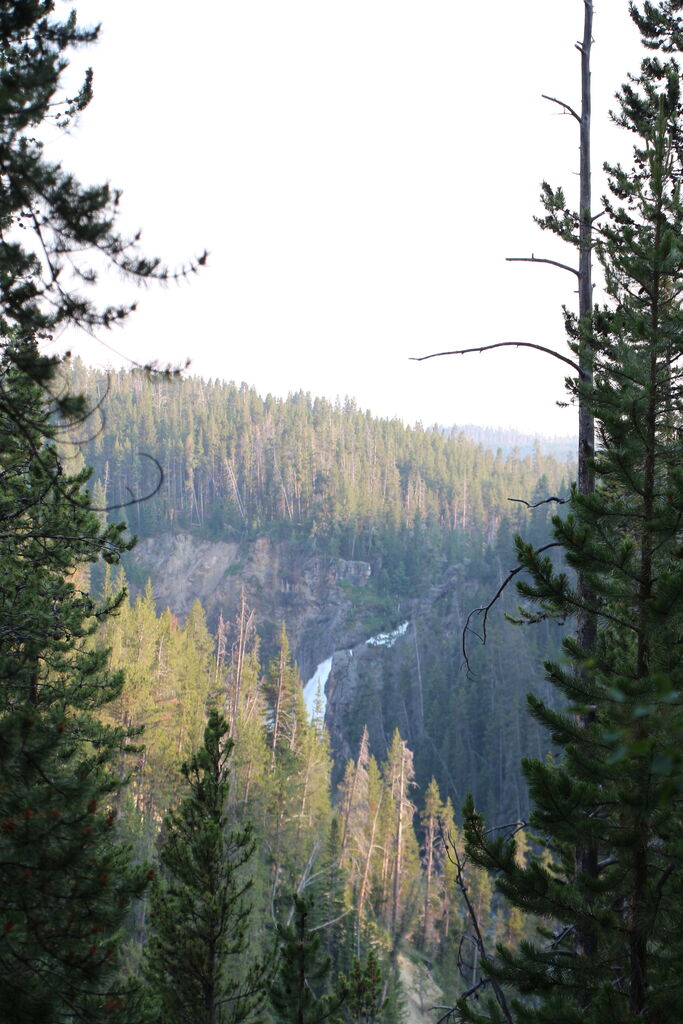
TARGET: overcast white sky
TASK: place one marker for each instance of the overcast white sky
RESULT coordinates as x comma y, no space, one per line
359,170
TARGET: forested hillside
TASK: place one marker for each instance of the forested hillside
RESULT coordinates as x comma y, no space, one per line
407,499
319,485
526,444
368,852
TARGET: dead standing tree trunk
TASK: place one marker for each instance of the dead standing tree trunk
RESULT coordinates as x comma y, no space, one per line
563,226
561,221
586,856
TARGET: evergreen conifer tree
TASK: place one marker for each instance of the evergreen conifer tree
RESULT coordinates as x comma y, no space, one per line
65,881
365,991
298,992
199,908
66,226
615,790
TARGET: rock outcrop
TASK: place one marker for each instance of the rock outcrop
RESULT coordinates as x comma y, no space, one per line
379,652
421,992
382,681
281,580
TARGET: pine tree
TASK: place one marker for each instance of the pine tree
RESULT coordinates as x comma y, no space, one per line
365,991
298,991
332,904
66,882
199,907
433,845
354,796
616,789
67,226
399,777
284,692
369,840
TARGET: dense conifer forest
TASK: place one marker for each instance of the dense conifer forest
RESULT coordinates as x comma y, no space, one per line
234,464
176,844
380,830
369,853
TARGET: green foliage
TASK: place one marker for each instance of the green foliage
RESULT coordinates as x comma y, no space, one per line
66,880
49,268
199,908
168,678
343,860
297,993
365,988
407,500
427,509
608,813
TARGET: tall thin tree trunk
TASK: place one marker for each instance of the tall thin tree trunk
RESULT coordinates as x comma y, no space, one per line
587,854
427,922
368,861
241,643
399,845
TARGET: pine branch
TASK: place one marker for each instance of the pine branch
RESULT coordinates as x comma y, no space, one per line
539,259
477,940
537,504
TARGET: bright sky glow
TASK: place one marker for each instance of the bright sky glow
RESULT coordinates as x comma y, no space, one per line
358,170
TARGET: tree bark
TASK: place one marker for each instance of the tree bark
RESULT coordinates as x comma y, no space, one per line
399,844
586,855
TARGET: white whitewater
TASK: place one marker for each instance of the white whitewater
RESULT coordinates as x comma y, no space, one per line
388,639
317,681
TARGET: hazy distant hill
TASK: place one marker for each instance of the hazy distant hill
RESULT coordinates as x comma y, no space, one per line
508,439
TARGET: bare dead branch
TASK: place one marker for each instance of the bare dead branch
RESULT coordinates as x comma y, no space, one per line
560,103
500,344
560,935
24,426
333,921
485,609
76,421
133,499
476,938
540,259
537,504
306,873
516,827
475,988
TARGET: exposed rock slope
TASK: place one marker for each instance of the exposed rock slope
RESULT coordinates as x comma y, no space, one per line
393,663
281,581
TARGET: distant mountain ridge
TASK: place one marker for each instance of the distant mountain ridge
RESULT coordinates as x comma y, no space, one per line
508,439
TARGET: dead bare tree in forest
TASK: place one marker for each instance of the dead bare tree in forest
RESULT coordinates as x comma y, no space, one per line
474,937
577,229
563,222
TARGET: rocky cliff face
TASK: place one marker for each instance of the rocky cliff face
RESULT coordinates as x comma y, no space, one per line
380,654
392,663
387,680
281,581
